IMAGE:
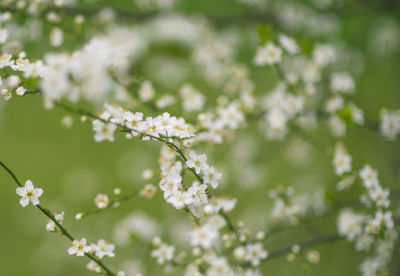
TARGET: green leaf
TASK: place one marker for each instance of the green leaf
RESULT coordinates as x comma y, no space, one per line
330,195
306,46
346,114
264,32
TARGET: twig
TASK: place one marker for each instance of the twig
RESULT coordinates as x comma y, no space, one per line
63,230
324,238
231,227
111,204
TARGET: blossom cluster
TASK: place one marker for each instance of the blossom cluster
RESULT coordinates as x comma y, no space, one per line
303,80
87,73
288,207
367,231
171,182
22,69
101,248
148,128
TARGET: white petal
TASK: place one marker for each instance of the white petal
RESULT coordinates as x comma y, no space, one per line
38,192
35,201
72,250
50,226
29,184
20,191
24,201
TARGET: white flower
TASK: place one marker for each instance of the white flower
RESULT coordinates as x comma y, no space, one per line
357,114
79,216
212,176
146,91
255,253
193,100
370,267
379,221
369,177
163,253
380,196
101,201
135,122
179,199
6,94
334,104
29,193
268,54
79,247
67,121
198,193
240,252
93,266
56,37
311,73
147,174
192,270
197,162
153,127
323,54
345,182
313,256
219,267
3,35
165,101
276,119
148,191
350,224
225,204
171,178
5,60
103,131
103,248
390,123
216,221
341,160
20,91
342,82
337,126
230,116
51,226
288,44
364,242
204,236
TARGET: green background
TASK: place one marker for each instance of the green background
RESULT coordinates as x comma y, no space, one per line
72,168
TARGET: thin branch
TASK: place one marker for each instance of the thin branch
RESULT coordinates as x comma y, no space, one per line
111,204
63,230
231,227
321,239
